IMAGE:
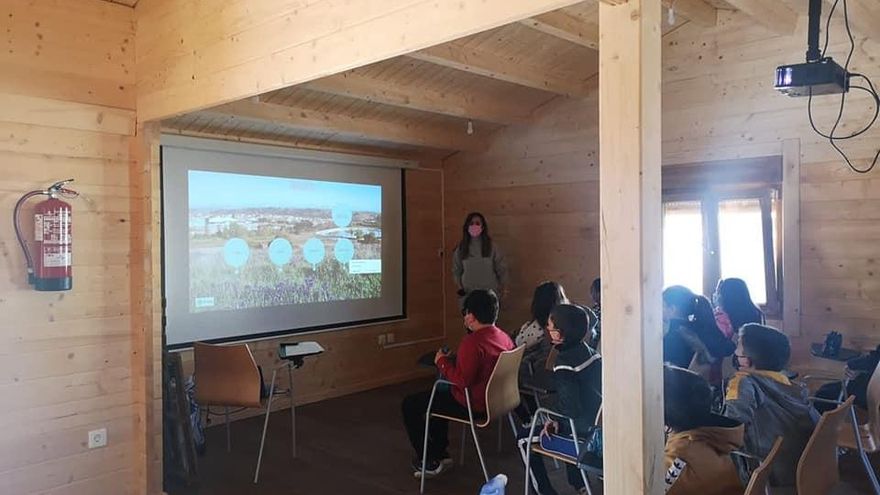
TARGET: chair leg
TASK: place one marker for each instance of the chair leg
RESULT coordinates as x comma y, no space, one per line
228,435
869,470
425,442
470,410
265,426
292,408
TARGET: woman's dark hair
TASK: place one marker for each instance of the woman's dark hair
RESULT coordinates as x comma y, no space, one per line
486,240
596,289
767,347
546,297
735,300
697,312
573,322
687,399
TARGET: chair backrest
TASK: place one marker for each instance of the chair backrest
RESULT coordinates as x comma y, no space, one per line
760,476
874,403
502,391
817,471
226,375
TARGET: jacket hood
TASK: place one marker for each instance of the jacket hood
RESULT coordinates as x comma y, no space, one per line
780,390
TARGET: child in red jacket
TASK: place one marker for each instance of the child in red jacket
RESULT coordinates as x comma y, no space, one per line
470,368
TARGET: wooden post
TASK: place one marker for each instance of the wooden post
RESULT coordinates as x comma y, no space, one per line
146,311
630,247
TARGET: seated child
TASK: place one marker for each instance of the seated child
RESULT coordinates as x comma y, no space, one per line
698,448
577,375
769,404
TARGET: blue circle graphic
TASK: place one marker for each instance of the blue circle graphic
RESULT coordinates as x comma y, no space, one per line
236,252
313,251
342,215
344,250
280,251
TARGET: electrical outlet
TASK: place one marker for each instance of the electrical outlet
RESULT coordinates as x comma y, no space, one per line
382,339
390,338
98,438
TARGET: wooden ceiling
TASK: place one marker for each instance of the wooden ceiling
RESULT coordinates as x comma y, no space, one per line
454,96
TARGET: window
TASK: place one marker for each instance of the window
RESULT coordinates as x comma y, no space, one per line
721,220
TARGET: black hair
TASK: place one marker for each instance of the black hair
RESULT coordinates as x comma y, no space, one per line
485,238
697,313
596,288
735,300
767,347
547,296
574,322
483,304
687,399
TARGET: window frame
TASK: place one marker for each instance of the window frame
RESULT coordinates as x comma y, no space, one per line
710,184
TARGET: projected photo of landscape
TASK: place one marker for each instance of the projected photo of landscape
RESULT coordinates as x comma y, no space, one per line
257,241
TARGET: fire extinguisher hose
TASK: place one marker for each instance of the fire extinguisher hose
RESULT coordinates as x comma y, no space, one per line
17,223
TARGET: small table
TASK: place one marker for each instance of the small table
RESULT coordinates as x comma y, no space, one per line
843,355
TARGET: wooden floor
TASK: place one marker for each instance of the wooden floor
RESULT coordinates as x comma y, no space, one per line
357,445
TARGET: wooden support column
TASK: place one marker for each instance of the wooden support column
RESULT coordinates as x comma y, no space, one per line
146,310
629,184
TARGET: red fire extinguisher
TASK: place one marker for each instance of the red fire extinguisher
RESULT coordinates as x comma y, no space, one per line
50,269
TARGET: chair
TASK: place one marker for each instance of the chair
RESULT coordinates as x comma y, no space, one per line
865,437
538,449
227,375
502,397
817,471
758,481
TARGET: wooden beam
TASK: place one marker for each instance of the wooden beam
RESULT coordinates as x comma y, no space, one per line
477,106
696,11
631,266
380,130
241,48
774,15
864,16
566,26
457,56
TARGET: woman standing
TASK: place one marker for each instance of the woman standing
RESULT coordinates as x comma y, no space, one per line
476,262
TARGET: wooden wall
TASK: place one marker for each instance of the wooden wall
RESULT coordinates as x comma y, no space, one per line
538,186
66,110
538,183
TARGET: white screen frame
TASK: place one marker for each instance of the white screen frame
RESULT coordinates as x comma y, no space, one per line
179,154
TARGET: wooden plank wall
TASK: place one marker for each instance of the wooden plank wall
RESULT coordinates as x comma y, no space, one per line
538,186
354,361
538,182
719,103
66,110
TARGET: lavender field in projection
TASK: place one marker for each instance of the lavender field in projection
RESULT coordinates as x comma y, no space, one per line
257,241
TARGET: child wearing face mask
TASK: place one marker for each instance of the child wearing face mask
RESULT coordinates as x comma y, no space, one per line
477,263
767,403
471,368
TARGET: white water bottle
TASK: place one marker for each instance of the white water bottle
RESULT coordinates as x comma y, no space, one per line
495,486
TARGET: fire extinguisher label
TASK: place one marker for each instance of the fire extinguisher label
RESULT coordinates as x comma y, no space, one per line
38,227
56,256
55,227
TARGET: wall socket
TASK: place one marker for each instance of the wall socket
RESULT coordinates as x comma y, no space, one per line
98,438
390,338
382,339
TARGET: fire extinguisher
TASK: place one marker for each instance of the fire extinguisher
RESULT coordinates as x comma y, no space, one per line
51,268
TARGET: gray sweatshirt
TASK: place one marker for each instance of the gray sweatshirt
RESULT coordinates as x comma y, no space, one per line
477,272
770,406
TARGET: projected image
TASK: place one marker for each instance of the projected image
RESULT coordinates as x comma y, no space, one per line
258,241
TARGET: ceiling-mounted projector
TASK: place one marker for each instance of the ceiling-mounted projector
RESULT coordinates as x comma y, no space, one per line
818,76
